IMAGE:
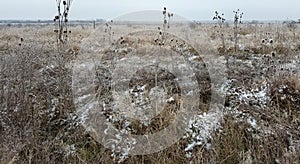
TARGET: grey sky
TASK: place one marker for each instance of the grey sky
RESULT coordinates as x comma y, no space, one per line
191,9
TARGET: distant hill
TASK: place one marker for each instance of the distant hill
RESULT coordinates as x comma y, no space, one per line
148,16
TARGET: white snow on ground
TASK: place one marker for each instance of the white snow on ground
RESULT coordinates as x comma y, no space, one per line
252,122
69,150
201,127
256,95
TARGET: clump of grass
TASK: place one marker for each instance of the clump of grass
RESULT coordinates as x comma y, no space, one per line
231,142
292,26
286,98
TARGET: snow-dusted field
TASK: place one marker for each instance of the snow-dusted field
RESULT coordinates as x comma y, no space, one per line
136,93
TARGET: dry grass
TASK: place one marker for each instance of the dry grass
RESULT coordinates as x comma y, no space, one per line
38,123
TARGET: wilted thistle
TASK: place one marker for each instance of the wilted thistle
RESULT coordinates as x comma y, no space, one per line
164,11
170,15
166,24
61,20
165,18
237,20
108,30
165,21
221,21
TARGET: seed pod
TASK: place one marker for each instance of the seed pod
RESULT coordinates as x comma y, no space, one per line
64,3
273,54
271,41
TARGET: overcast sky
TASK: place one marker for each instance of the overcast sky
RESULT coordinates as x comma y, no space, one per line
190,9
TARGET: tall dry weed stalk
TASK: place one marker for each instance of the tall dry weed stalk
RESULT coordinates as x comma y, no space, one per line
109,31
221,23
61,20
237,20
166,22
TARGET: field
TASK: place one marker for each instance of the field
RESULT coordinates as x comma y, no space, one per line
105,96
